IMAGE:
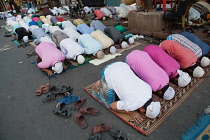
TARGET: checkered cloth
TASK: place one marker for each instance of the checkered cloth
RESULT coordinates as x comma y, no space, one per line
183,41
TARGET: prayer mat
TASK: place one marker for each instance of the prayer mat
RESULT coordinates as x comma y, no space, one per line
69,66
112,56
200,131
167,107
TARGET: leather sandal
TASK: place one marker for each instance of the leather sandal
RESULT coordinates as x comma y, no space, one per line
80,120
46,88
79,103
89,110
39,91
100,128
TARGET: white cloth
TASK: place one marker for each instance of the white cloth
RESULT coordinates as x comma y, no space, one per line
122,12
153,110
198,72
48,17
184,78
131,90
67,24
58,67
70,48
106,12
46,27
52,29
193,14
205,61
23,24
72,33
87,9
31,28
47,39
169,94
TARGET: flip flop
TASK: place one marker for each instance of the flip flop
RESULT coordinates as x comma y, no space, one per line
39,91
80,120
62,112
79,103
100,128
118,134
69,99
89,110
46,88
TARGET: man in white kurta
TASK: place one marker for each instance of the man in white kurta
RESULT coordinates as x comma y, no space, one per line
72,50
71,33
133,92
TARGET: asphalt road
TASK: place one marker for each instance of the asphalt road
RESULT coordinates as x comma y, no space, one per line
23,116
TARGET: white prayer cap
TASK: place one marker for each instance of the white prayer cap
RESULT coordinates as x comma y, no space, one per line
58,67
131,40
104,18
169,94
184,78
153,110
124,44
80,59
112,50
205,61
100,54
111,16
198,72
25,39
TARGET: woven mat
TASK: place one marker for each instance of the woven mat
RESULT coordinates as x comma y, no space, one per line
167,107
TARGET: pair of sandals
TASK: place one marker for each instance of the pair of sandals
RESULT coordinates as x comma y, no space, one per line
116,134
79,116
43,89
64,90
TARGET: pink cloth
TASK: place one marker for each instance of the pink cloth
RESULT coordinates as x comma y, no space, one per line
35,19
146,69
183,56
166,62
99,14
49,55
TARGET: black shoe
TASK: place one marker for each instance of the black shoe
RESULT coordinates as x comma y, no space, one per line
7,35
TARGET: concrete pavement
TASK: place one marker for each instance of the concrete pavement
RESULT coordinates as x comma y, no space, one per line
23,116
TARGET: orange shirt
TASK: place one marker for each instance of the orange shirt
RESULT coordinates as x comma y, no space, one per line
183,56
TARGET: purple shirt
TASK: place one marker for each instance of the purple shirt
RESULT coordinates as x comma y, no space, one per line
165,61
49,55
146,69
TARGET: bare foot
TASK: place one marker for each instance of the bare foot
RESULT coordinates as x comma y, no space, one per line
50,73
136,116
65,67
72,62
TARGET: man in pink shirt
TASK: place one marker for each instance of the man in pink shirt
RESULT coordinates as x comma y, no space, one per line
146,69
49,56
99,14
169,65
185,57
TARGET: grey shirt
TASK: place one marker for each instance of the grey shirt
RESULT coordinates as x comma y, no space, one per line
58,36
